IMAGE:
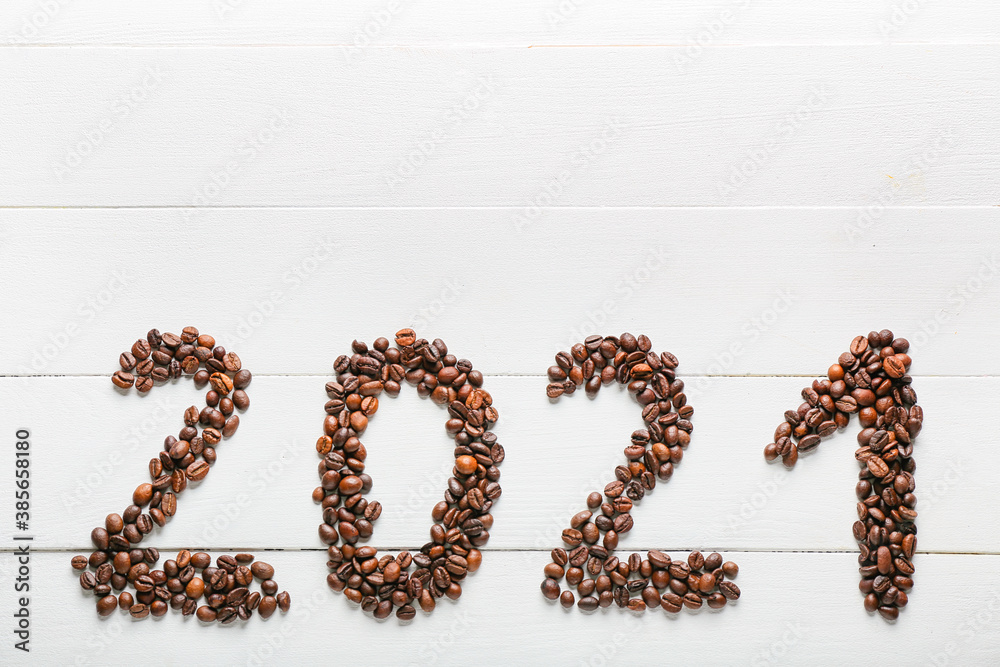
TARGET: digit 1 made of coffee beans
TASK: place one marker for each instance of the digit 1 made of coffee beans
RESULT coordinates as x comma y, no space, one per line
869,380
462,520
638,582
119,562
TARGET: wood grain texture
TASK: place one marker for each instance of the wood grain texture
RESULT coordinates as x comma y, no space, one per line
749,183
92,451
779,125
781,618
515,22
729,291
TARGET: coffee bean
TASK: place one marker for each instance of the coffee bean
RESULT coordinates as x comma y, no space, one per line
871,381
262,570
206,614
232,362
267,606
462,519
730,590
653,452
122,379
197,471
221,383
659,559
893,366
99,536
889,612
117,562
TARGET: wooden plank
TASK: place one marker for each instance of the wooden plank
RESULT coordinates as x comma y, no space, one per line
769,126
91,447
369,24
795,608
730,291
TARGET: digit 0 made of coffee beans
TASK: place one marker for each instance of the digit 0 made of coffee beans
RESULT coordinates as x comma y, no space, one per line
869,380
638,582
461,520
188,583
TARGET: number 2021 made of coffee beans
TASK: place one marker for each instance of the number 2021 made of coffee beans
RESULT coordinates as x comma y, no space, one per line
638,582
461,520
870,380
188,583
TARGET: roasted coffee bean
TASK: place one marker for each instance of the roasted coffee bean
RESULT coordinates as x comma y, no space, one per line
869,380
659,559
206,614
653,452
730,590
139,610
88,581
118,562
122,379
262,570
672,603
240,399
462,519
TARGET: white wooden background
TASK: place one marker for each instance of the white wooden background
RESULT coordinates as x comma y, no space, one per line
750,183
